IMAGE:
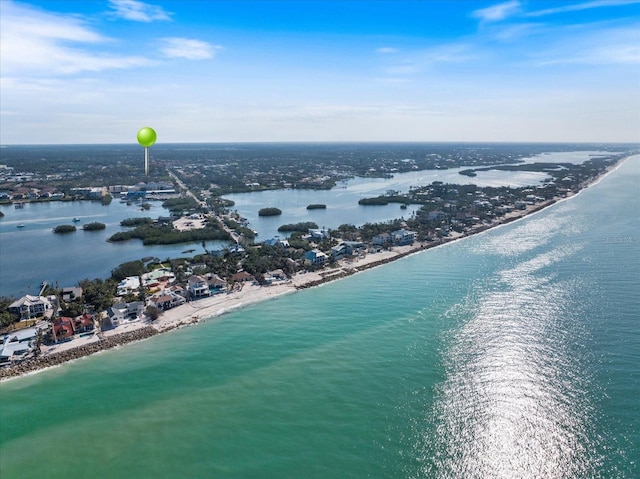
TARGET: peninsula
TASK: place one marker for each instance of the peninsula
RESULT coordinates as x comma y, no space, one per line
147,298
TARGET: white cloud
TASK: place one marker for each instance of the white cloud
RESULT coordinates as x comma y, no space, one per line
387,50
138,11
38,43
188,48
497,12
605,47
581,6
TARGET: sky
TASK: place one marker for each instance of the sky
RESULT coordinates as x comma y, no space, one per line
96,71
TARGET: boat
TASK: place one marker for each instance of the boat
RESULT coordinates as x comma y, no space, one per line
20,225
75,220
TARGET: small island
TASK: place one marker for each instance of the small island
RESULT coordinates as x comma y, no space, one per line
303,227
62,229
270,212
316,206
95,226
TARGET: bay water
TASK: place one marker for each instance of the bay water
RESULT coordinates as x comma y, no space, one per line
32,253
512,353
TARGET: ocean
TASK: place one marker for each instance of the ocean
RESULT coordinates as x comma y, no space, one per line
511,353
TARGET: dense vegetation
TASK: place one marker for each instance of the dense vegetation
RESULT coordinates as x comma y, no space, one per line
130,268
61,229
303,227
167,234
179,205
95,226
136,222
269,212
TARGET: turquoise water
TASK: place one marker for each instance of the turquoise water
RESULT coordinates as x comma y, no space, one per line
514,353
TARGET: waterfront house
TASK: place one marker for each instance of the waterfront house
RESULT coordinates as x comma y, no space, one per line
158,278
241,277
198,286
318,234
166,299
338,251
315,257
70,294
30,306
128,285
277,275
63,328
83,323
403,237
180,290
277,241
215,282
121,313
17,344
347,248
382,239
236,248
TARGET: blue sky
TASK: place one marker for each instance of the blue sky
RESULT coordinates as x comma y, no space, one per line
96,71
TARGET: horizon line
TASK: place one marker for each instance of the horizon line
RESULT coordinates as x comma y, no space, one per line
332,142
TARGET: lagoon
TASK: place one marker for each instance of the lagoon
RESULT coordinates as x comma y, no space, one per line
33,254
342,201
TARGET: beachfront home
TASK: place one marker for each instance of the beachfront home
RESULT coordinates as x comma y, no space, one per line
403,237
84,323
63,328
166,299
346,248
198,286
315,257
121,313
215,282
17,344
275,276
29,306
382,239
241,277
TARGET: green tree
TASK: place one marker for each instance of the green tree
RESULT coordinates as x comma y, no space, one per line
72,309
98,293
152,312
130,268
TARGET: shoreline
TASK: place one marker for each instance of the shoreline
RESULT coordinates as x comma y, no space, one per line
193,312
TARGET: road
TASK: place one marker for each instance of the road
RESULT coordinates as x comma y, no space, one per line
234,235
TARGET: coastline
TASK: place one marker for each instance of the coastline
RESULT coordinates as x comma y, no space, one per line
194,312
